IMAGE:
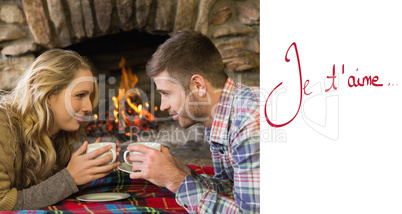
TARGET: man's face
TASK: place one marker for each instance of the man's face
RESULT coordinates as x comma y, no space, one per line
183,107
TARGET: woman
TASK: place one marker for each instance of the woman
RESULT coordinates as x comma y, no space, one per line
39,120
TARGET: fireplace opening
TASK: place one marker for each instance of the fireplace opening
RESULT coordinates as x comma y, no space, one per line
106,52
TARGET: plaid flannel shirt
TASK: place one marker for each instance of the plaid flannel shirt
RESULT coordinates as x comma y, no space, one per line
234,140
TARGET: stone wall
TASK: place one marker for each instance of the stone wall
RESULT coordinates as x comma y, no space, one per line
28,27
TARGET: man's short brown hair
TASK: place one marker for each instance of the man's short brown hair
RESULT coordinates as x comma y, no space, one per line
185,54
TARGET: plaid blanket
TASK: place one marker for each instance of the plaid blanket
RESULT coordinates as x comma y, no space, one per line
145,197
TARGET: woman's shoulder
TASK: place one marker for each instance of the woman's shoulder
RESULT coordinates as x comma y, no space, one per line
8,137
8,121
6,113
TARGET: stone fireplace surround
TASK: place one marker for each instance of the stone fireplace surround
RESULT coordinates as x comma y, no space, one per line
29,27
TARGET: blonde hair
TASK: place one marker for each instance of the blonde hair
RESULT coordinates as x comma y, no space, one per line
31,115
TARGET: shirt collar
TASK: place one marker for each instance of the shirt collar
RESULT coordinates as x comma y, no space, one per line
218,132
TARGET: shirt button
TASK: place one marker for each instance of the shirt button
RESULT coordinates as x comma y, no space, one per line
185,206
221,151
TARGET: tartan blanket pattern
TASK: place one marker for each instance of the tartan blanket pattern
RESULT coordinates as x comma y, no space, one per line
145,197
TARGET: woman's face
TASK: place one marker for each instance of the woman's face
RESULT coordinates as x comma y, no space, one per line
72,103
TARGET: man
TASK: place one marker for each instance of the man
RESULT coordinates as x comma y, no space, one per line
189,74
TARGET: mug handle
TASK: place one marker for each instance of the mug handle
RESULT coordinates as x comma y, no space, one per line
125,158
114,156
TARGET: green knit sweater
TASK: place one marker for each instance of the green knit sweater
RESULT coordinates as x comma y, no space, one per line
52,190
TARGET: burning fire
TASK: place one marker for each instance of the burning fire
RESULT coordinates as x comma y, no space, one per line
128,110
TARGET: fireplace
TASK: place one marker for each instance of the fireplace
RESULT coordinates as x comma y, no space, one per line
110,32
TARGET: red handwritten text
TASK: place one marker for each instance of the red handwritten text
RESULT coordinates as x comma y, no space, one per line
366,80
301,89
352,82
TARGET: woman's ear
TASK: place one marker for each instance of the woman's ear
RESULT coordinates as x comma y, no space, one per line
199,85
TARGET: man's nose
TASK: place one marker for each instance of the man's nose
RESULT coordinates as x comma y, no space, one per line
164,105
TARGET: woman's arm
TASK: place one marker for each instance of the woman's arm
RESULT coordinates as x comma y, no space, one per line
52,190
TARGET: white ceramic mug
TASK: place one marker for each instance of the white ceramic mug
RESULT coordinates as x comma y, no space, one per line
93,146
153,145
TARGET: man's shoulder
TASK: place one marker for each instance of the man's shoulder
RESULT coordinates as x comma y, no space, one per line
245,105
251,93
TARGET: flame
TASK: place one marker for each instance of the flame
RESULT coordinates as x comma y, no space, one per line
116,102
116,116
115,111
134,107
129,113
129,80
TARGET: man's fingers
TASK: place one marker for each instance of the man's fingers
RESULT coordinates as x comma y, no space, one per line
136,175
136,158
142,149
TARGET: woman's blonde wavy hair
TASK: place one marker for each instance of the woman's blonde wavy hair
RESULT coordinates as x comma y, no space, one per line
28,106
